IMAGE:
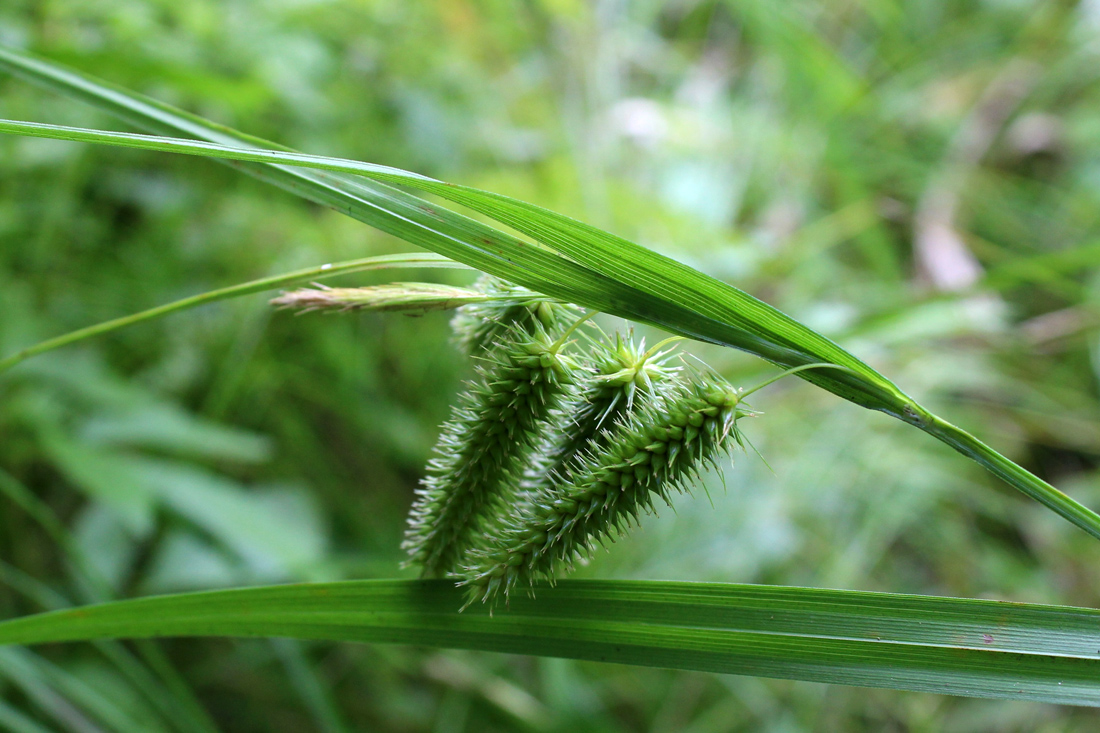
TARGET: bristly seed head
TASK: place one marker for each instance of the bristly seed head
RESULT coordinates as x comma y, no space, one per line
658,450
482,450
479,325
520,488
615,378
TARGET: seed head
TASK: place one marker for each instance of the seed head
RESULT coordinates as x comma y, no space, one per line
483,448
657,450
613,381
479,325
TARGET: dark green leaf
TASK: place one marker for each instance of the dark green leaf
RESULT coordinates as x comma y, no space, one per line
951,646
600,271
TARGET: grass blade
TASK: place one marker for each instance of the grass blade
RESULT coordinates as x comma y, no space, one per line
573,261
715,311
951,646
384,207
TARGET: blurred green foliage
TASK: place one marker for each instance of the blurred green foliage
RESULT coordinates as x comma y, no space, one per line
918,180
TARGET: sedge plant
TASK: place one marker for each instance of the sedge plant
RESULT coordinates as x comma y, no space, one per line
469,532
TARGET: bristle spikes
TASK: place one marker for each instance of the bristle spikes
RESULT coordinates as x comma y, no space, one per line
653,453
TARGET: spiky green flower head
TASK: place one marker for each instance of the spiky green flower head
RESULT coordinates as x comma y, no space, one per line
626,367
483,448
616,377
658,450
479,325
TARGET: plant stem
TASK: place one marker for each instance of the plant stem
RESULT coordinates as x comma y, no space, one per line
234,291
1016,476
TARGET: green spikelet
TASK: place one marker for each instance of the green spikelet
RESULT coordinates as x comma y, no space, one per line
619,377
482,450
409,298
480,325
658,450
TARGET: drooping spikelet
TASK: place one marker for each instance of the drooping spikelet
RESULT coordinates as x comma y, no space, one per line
408,298
658,450
481,452
617,378
480,325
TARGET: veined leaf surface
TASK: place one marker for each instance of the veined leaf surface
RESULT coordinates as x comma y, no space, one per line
571,260
952,646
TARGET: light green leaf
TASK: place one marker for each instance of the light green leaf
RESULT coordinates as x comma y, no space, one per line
107,477
276,531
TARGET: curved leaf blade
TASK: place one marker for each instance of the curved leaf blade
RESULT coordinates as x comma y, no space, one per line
602,272
690,303
951,646
384,207
629,280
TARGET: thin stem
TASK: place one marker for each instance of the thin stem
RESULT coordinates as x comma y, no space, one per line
657,347
234,291
794,370
560,343
1018,477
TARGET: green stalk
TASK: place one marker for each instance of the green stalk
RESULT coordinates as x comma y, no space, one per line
234,291
1015,475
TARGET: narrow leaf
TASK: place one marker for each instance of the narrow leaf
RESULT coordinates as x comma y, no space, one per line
572,261
951,646
712,310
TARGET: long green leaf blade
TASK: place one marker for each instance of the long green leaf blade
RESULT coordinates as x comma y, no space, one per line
386,208
711,311
951,646
601,271
770,333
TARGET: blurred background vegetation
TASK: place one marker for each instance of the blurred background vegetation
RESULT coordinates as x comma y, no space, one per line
918,180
